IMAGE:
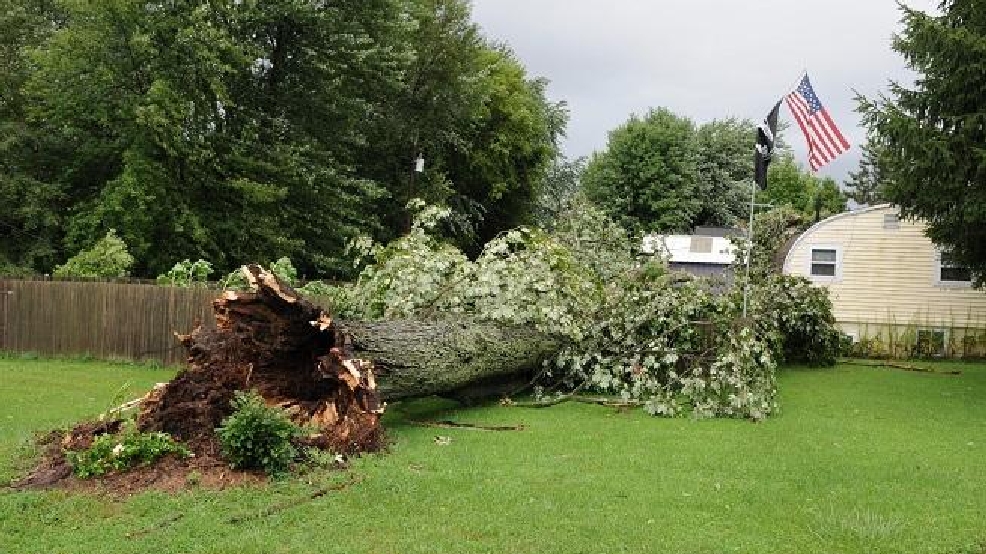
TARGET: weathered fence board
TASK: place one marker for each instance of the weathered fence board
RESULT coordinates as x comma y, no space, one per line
105,320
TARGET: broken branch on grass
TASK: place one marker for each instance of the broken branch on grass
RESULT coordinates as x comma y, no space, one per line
904,367
445,424
353,480
156,527
601,401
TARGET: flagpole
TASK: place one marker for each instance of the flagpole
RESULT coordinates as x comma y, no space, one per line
749,249
753,207
804,73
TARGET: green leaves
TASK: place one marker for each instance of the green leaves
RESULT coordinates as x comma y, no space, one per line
257,436
647,177
632,331
797,319
122,451
108,258
662,173
930,135
788,184
232,131
187,273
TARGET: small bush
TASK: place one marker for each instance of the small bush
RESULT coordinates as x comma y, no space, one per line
256,436
122,451
187,273
108,259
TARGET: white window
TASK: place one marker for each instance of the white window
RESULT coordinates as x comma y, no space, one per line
701,245
824,262
891,221
930,342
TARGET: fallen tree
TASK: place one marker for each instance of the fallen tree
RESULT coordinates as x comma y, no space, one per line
332,376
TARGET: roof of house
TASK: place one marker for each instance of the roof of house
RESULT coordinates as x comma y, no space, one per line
793,245
691,248
710,231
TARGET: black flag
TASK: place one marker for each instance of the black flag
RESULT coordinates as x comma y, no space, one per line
765,145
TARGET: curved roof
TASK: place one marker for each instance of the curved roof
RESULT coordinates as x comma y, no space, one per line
826,221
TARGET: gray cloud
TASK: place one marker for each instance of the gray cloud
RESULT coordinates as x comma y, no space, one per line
706,59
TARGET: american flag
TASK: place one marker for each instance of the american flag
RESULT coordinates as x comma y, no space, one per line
825,141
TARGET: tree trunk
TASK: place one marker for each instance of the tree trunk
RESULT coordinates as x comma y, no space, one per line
418,358
325,374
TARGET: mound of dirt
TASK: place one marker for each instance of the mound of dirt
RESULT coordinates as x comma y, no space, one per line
271,341
169,474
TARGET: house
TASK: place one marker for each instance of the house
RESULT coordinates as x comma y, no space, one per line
706,255
891,287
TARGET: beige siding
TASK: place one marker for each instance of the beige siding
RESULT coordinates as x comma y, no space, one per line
886,276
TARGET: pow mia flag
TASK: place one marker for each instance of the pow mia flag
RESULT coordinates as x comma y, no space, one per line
765,145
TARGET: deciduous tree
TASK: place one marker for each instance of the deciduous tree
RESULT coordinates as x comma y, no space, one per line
647,177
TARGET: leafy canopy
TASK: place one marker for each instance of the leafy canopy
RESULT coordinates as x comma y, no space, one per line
663,340
231,131
788,184
108,258
647,178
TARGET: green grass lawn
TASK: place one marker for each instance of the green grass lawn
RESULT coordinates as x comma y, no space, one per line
860,460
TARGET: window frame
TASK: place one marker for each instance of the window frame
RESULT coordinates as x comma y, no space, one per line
891,221
837,277
932,331
939,265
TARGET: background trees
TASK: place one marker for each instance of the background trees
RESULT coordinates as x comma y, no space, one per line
790,185
254,130
865,185
933,131
725,171
647,178
29,212
663,173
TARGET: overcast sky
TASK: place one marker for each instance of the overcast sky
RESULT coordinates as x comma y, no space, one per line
705,59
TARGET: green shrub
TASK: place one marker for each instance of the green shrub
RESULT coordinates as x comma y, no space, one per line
256,436
108,258
187,273
123,450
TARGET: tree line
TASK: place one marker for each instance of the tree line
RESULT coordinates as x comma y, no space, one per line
235,131
250,130
662,172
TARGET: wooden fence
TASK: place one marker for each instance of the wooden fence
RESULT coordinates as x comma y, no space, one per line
105,320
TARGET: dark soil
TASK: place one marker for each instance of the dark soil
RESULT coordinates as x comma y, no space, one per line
271,341
171,473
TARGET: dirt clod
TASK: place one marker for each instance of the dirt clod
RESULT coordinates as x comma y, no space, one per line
271,341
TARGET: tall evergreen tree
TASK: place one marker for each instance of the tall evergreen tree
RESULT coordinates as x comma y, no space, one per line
865,185
934,132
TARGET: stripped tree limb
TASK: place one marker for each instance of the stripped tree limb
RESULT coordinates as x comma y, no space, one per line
895,365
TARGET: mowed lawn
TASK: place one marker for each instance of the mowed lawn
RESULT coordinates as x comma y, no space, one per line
860,460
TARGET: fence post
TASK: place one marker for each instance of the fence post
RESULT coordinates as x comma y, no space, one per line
5,292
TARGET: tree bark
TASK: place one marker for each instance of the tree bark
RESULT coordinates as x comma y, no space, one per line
327,374
420,358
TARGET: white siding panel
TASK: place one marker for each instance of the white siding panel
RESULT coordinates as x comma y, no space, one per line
887,275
